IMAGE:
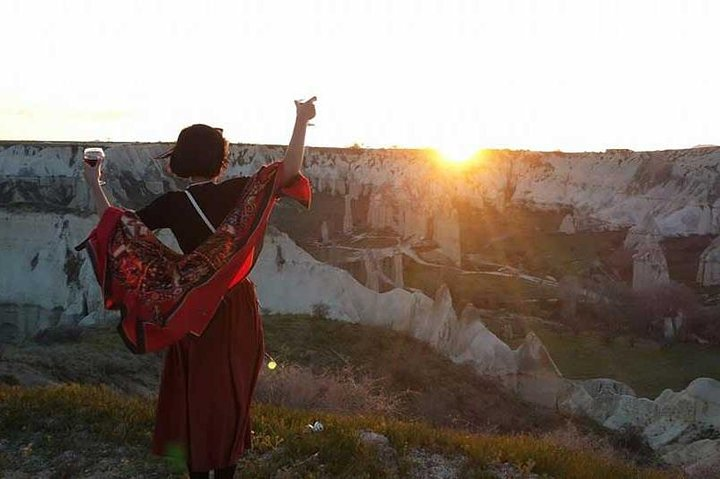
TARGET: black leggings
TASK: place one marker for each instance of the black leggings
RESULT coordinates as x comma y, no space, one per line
224,473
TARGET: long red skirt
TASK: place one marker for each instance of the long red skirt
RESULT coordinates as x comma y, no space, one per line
207,385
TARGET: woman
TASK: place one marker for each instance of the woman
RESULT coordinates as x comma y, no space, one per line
209,376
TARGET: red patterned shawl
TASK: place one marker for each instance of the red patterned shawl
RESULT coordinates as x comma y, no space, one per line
163,295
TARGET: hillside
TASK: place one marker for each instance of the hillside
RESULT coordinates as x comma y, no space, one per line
352,378
73,431
412,380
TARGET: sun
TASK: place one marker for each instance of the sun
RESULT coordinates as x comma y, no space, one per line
457,153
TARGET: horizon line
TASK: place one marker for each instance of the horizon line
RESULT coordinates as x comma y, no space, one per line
361,146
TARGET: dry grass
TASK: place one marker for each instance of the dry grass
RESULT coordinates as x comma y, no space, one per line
570,437
428,386
704,471
626,444
282,440
344,391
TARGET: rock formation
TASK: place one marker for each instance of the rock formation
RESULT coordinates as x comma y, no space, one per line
397,267
304,282
447,233
539,380
673,325
470,341
41,268
644,232
324,233
649,266
709,265
372,275
410,218
567,226
619,187
383,212
677,424
705,222
347,217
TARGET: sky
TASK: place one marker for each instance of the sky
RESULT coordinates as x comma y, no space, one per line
457,75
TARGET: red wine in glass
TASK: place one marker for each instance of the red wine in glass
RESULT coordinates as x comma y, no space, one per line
92,156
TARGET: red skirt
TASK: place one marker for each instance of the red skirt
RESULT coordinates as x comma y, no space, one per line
207,385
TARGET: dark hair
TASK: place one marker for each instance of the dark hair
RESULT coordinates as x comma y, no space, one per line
200,150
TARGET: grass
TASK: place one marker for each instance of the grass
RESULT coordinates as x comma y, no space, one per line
327,367
431,387
97,356
528,238
552,253
99,430
345,391
483,291
646,366
440,392
418,381
282,440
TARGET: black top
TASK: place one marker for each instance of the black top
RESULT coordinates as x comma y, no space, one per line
173,210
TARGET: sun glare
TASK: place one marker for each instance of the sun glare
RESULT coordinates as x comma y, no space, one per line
457,153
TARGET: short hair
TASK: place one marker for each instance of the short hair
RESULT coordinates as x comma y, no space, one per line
200,150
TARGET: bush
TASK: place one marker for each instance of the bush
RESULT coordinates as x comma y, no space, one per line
667,301
59,334
320,310
705,325
344,391
9,379
630,439
616,308
570,437
620,309
569,291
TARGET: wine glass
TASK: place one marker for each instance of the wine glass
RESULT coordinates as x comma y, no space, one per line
93,156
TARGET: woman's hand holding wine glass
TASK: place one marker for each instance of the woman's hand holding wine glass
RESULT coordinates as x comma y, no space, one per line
93,159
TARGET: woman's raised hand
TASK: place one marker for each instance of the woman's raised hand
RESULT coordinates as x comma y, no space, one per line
295,150
305,109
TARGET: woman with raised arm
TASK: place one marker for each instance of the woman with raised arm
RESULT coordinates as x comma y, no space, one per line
199,306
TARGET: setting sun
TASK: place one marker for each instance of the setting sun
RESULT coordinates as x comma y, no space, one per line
457,153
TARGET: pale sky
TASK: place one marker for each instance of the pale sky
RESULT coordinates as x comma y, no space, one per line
547,74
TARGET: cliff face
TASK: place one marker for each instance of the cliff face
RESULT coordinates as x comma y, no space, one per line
679,188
